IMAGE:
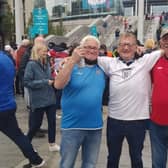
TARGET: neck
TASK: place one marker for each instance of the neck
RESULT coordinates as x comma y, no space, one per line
43,60
90,62
127,60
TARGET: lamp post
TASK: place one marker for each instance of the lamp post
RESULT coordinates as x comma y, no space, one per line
70,6
65,7
140,34
136,7
146,6
24,16
19,23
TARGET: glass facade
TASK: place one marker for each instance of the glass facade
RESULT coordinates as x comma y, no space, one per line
39,4
155,7
65,8
157,10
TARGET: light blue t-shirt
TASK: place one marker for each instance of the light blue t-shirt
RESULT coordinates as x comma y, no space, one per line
82,99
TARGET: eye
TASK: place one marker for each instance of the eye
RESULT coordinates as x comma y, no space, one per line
126,44
90,48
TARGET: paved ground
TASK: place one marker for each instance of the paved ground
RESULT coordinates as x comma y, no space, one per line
11,157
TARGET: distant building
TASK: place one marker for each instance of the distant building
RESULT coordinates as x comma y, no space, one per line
50,4
155,7
39,4
76,7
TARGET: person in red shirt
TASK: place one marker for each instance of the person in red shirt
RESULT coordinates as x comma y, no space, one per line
18,56
159,113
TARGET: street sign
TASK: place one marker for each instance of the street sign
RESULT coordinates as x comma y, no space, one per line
93,30
40,21
40,15
165,26
40,29
32,33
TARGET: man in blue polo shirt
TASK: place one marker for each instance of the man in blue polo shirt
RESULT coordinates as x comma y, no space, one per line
83,84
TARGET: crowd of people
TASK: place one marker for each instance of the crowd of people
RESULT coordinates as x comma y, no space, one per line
51,76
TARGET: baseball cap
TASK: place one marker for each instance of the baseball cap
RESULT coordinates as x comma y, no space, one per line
7,48
164,32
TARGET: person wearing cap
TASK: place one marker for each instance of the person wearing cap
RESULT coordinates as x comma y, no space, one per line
159,114
9,50
57,53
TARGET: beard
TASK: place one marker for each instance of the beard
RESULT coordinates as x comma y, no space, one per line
90,62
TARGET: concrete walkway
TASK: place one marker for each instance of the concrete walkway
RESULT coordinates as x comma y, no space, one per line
11,157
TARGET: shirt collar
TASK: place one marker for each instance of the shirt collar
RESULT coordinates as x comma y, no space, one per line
129,62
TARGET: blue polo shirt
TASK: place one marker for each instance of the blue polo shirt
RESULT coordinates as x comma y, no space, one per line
82,99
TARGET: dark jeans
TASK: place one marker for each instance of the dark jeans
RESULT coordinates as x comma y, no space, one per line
58,98
36,118
17,84
21,80
134,132
9,126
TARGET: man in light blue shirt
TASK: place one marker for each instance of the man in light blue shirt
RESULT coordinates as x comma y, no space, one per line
83,85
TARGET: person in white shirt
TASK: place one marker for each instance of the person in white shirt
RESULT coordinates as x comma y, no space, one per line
128,107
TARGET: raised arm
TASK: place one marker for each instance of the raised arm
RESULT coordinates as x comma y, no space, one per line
65,69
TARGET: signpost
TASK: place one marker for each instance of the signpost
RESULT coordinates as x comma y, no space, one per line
40,22
93,30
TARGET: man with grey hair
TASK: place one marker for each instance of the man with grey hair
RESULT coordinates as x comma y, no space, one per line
128,107
82,111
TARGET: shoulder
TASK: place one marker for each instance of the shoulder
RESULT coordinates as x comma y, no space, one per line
106,60
31,63
5,57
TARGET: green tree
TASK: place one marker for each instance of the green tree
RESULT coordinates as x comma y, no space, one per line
51,28
8,25
60,29
30,23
